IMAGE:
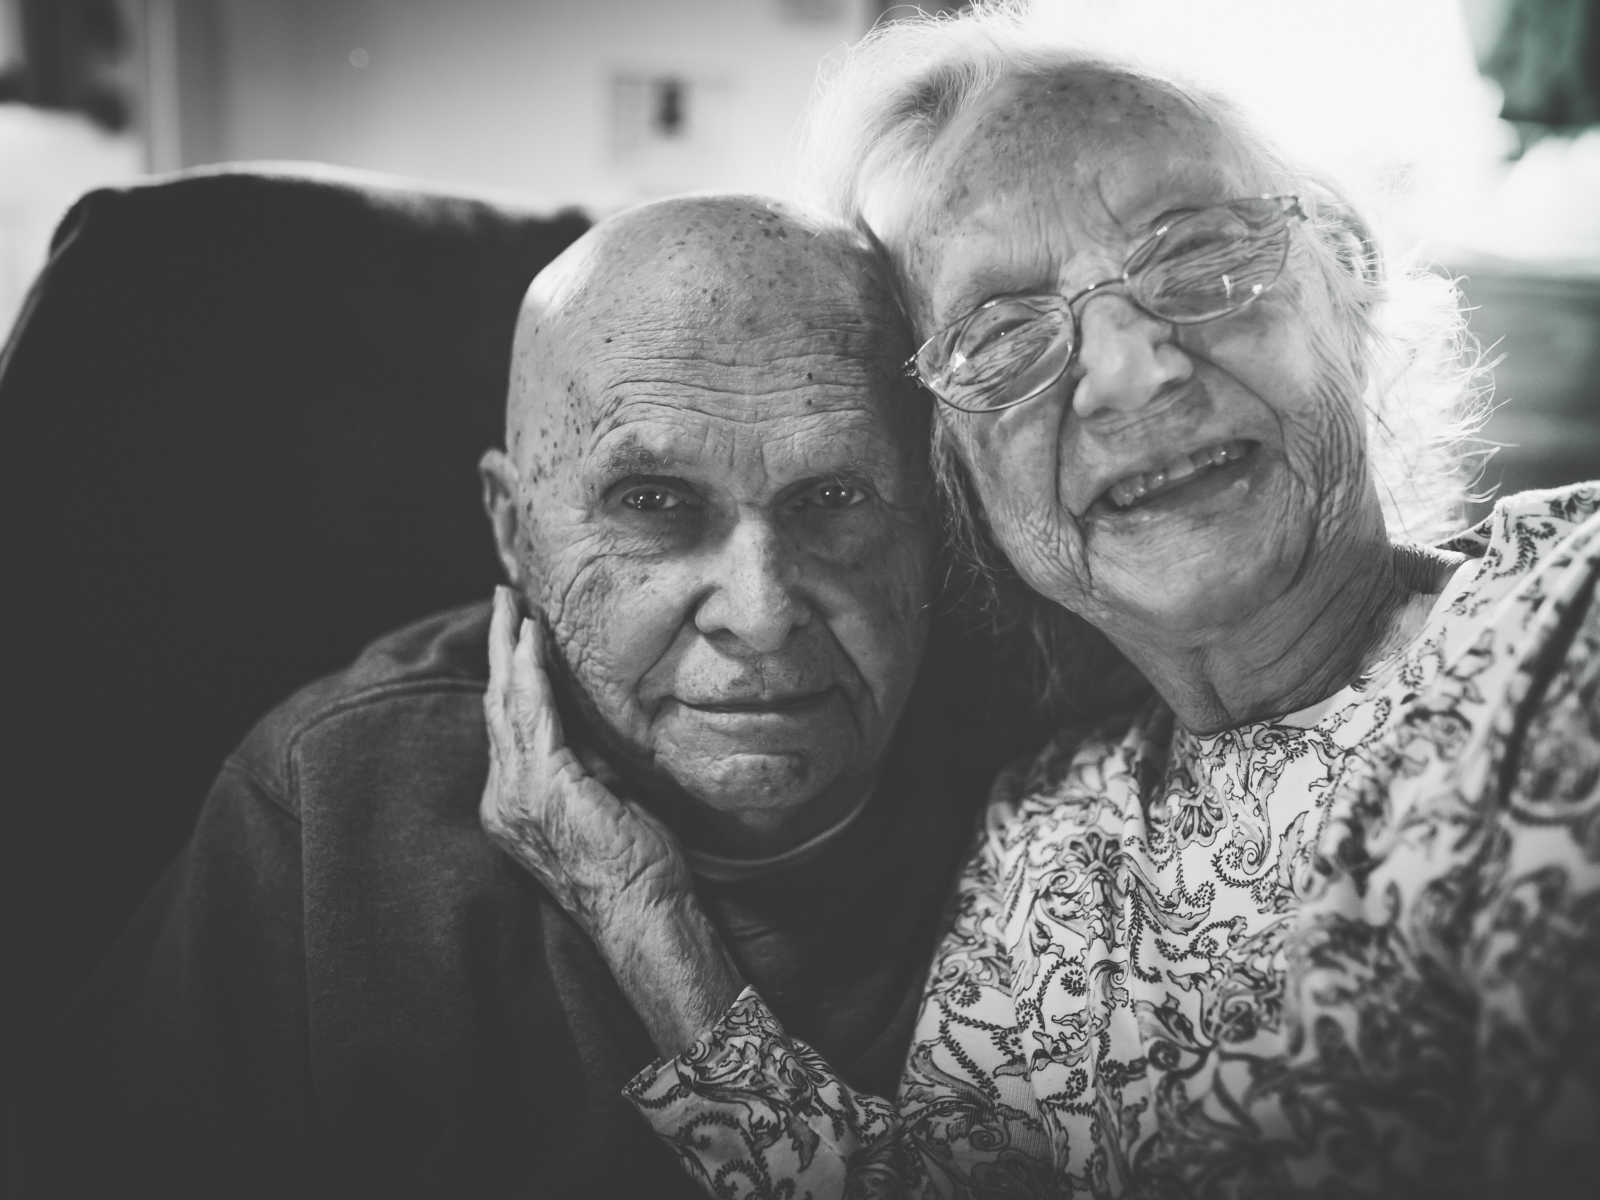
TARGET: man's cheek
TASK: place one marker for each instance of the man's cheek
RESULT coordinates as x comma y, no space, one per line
578,600
880,540
612,625
899,588
882,619
888,577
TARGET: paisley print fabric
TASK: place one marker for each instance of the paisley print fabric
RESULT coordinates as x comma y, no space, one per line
1354,951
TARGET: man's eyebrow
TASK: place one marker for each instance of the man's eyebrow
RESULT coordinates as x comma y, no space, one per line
863,459
629,458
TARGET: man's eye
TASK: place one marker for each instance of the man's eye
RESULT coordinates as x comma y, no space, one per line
836,495
650,499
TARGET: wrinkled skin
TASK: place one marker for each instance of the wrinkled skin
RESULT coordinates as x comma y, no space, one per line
1220,591
537,784
714,498
610,864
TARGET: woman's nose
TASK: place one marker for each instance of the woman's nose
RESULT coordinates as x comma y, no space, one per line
755,596
1125,358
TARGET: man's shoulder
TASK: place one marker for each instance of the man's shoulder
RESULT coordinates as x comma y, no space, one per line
416,688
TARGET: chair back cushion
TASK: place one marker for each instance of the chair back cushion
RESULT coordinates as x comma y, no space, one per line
247,408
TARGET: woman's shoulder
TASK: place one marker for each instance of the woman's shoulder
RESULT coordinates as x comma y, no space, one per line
1523,528
1519,613
1535,553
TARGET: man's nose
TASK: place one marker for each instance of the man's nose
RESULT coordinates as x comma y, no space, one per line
1126,357
755,595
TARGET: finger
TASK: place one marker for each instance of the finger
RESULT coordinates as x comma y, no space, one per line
489,808
500,618
533,700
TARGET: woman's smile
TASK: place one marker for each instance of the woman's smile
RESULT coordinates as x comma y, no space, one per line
1181,473
1180,480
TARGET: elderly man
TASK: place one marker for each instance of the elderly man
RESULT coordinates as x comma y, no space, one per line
713,501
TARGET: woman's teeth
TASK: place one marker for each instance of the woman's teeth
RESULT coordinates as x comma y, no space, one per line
1130,491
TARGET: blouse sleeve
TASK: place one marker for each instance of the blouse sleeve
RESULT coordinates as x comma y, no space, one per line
751,1112
1533,950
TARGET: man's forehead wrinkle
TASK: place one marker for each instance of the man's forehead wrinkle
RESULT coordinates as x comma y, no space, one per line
713,304
805,342
660,438
823,355
659,420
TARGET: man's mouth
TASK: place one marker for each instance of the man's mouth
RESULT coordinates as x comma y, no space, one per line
794,702
1182,470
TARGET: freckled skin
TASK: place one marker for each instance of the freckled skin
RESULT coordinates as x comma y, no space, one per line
727,503
1047,188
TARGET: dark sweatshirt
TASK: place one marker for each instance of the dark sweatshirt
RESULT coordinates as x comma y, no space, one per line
340,986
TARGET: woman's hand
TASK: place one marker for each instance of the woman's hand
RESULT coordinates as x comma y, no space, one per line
612,866
601,857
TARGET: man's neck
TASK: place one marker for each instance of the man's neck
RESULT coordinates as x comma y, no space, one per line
732,868
749,833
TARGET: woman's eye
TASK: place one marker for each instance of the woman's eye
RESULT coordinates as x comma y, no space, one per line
650,499
985,336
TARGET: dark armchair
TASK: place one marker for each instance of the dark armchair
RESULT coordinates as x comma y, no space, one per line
245,407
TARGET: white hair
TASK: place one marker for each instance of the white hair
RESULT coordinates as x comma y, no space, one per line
866,153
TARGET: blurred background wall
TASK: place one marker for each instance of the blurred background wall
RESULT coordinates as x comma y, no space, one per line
597,102
1469,125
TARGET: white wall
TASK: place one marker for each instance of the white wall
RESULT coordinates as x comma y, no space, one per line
513,94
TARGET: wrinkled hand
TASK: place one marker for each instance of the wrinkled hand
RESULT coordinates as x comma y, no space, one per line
604,859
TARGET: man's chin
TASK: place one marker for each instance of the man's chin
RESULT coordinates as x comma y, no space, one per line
758,803
750,781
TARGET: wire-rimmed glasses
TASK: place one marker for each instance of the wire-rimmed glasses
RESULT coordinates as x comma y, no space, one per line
1196,267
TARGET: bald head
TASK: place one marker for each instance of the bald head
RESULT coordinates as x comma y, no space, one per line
746,285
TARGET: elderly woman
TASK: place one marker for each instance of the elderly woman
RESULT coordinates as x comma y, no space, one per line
1324,919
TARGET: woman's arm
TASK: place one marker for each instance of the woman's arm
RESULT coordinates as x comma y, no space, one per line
610,864
750,1111
1533,953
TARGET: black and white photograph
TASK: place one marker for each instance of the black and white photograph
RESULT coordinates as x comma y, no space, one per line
803,599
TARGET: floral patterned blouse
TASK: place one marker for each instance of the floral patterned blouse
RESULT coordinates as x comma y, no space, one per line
1350,951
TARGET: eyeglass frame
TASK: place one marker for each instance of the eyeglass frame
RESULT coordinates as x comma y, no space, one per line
1290,208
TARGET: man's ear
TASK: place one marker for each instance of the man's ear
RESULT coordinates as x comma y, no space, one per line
499,476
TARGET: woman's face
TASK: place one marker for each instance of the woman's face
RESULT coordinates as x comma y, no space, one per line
1250,418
